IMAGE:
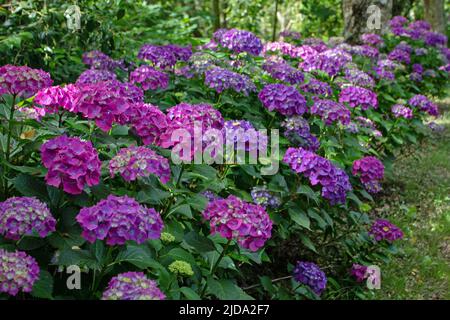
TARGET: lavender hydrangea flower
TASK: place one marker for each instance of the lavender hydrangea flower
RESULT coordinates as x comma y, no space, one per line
372,39
233,218
422,102
316,43
420,52
71,163
98,60
400,56
370,171
330,61
284,72
164,56
18,272
357,96
134,162
263,197
210,195
297,131
382,229
435,39
241,41
119,219
331,111
94,76
358,272
243,136
149,78
308,273
284,99
334,181
23,81
132,286
222,79
359,78
52,98
21,216
401,111
317,87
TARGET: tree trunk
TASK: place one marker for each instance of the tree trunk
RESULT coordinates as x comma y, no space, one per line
401,7
435,14
365,16
216,14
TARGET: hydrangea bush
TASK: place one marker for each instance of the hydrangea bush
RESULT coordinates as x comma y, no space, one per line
88,177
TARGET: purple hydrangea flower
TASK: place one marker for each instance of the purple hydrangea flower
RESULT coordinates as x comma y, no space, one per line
422,102
164,56
134,162
331,111
418,68
368,124
382,229
132,286
71,163
316,43
263,197
243,135
119,219
95,75
370,171
21,216
308,273
284,72
399,56
241,41
18,272
330,61
372,39
294,35
317,87
420,52
52,98
359,78
365,51
284,99
23,81
221,79
358,272
357,96
232,218
149,78
297,131
98,60
210,195
435,39
401,111
334,181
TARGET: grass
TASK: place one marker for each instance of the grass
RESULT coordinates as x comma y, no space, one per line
418,201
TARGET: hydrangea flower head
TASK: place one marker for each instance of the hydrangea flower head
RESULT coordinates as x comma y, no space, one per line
132,286
317,87
297,131
263,197
372,39
243,135
284,99
284,72
233,218
308,273
221,79
21,216
241,41
149,78
358,272
331,111
18,272
424,104
23,81
382,229
181,268
52,98
401,111
119,219
71,163
357,96
95,75
370,171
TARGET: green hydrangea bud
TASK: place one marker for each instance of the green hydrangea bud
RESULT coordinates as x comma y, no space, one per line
181,268
167,237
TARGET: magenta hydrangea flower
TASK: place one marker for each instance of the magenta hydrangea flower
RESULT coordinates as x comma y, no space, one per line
233,218
358,272
221,79
18,272
146,121
334,181
308,273
119,219
401,111
370,171
372,39
52,98
149,78
357,96
132,286
317,87
23,81
422,102
71,163
134,162
331,111
21,216
382,229
297,131
241,41
284,99
95,75
185,116
284,72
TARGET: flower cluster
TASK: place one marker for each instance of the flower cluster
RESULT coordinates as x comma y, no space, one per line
308,273
71,163
98,60
334,181
284,72
233,218
147,122
317,87
331,111
372,39
52,98
422,102
21,216
132,286
210,195
330,61
382,229
221,79
164,56
244,136
316,43
401,111
134,162
371,171
358,77
358,271
357,96
369,125
241,41
119,219
297,131
294,35
23,81
263,197
181,268
95,75
285,99
149,78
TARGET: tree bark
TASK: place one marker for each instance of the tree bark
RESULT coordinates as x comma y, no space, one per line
361,17
435,14
216,14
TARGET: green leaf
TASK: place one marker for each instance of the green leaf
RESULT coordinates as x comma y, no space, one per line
181,254
307,242
31,187
308,192
189,293
300,218
43,288
199,242
138,255
183,209
226,290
